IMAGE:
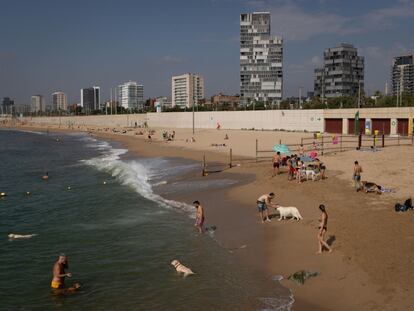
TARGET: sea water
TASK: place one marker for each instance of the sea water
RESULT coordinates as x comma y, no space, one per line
103,207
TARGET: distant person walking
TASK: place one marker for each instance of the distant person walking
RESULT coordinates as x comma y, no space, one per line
276,163
199,217
322,229
262,204
357,176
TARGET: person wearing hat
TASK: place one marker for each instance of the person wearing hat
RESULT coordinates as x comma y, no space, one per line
262,203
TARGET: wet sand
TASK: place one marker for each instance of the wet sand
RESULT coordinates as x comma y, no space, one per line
372,262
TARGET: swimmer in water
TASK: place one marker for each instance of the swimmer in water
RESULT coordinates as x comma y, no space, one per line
46,176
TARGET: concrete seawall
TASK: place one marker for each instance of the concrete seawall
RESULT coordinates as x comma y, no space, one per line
298,120
292,120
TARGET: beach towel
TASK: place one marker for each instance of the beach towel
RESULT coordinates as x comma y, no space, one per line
387,190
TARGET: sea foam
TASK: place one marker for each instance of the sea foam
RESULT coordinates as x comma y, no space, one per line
132,173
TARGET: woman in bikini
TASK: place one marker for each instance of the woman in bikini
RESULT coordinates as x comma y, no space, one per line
323,227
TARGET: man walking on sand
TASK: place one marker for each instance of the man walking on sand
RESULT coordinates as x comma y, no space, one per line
357,176
199,217
262,203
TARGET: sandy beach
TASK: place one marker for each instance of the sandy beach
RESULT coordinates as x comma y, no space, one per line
372,260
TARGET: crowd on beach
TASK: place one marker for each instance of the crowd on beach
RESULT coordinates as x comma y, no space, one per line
299,166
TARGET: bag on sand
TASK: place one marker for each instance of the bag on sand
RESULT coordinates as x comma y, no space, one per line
404,207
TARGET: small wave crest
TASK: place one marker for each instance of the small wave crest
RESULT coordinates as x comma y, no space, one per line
283,303
133,174
26,131
278,304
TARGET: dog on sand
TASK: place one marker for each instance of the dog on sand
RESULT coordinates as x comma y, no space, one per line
290,211
13,236
371,187
181,268
311,174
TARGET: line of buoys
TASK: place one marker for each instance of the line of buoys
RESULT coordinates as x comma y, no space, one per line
28,193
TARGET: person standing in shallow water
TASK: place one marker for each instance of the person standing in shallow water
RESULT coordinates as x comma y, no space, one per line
199,217
323,228
59,273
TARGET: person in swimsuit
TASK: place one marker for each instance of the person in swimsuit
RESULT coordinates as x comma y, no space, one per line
199,217
323,227
276,163
262,204
291,169
59,273
321,167
357,176
299,166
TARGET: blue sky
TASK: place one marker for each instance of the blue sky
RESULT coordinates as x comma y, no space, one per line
54,45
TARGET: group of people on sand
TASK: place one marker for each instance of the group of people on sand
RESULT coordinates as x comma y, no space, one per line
168,136
296,168
265,200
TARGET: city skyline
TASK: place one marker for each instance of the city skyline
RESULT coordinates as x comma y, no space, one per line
67,51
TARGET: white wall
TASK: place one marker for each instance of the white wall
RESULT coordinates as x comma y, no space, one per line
300,120
120,120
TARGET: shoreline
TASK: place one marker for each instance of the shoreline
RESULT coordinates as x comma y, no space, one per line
348,277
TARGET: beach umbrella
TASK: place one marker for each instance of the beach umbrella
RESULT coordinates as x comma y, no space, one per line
282,149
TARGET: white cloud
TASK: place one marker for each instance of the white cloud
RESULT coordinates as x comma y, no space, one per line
292,22
305,67
169,60
316,61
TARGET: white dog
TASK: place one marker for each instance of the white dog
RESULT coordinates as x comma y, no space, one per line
288,212
181,268
13,236
312,174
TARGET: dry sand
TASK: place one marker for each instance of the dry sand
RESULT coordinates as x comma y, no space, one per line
372,262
